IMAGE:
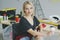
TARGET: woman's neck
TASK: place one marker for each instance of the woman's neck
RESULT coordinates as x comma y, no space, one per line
28,16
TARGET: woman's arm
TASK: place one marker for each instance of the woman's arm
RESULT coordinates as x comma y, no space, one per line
34,33
38,28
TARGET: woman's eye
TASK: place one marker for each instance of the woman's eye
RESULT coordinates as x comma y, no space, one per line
26,8
29,8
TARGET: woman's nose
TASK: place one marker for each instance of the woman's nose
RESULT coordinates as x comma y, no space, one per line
29,10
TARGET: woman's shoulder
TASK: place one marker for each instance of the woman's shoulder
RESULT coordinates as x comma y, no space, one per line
22,18
35,17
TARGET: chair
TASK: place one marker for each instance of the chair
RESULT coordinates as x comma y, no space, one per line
15,30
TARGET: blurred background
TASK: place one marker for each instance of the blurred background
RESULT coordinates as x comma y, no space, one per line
44,9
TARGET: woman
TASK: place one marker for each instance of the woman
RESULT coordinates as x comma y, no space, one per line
29,23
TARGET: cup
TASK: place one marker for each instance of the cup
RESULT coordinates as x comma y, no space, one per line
17,19
43,25
53,30
1,18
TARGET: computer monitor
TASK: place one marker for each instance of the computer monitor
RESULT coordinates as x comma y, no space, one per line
2,12
11,14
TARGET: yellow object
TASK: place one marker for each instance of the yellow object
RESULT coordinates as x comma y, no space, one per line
16,16
51,23
6,9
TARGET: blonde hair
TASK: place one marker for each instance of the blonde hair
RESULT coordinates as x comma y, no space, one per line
25,3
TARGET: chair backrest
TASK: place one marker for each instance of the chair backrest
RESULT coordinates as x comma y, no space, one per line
15,30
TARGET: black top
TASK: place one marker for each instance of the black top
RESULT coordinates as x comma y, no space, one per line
24,25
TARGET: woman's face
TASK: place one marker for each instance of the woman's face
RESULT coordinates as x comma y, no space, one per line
28,9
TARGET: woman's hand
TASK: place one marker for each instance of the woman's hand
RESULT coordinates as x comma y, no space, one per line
38,28
39,34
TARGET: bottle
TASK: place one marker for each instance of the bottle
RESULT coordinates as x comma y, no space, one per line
5,16
53,29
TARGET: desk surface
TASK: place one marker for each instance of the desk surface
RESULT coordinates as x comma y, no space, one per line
48,22
7,22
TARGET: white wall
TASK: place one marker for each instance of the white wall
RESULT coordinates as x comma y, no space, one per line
0,4
50,7
9,4
12,4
